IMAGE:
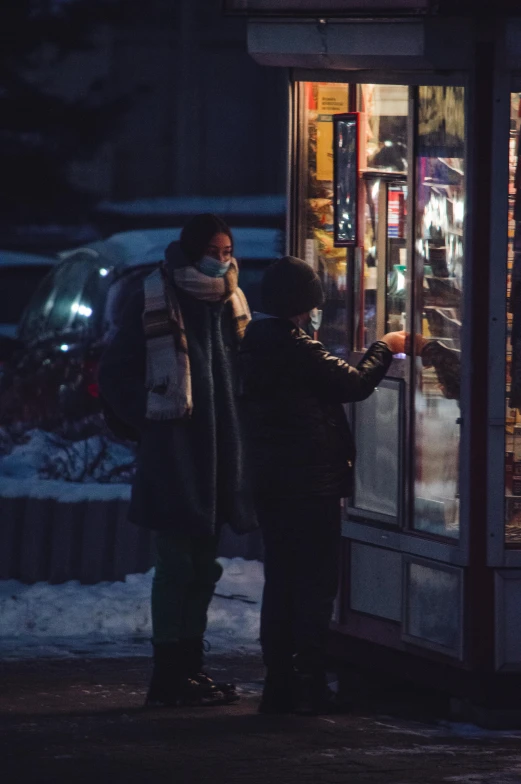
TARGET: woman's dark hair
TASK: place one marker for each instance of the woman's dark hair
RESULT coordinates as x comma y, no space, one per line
198,232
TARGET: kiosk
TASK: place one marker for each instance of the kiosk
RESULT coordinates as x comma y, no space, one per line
403,142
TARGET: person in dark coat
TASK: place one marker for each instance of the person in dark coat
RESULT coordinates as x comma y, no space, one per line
302,453
170,373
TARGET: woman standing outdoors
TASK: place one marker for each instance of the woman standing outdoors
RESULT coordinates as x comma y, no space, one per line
302,454
170,374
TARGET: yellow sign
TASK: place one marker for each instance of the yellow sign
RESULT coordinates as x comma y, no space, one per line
331,99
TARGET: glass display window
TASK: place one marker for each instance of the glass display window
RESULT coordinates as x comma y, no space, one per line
378,262
383,291
383,210
513,332
439,255
405,204
318,102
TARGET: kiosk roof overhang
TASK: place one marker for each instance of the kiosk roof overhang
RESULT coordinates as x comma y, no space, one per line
339,44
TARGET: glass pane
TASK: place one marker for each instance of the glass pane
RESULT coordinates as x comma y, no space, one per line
370,194
377,467
383,195
319,102
513,343
439,223
346,180
433,605
396,257
385,108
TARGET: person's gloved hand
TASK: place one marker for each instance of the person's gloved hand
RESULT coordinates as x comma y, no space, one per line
395,341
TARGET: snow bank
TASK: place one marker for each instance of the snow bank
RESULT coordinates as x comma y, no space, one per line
47,466
65,492
113,619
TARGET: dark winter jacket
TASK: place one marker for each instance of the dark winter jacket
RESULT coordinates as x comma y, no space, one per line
297,436
189,472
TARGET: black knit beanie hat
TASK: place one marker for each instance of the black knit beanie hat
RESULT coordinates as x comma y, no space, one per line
290,287
198,232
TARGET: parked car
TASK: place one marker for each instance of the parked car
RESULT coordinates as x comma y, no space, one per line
50,381
20,274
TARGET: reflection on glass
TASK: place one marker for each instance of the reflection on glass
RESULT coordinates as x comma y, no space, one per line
384,205
383,208
346,179
377,469
396,257
319,102
513,343
385,107
440,178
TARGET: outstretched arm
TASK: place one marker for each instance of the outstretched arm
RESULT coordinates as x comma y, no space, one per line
335,380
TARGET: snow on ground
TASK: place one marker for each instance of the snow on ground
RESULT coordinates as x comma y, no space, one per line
47,466
113,619
65,492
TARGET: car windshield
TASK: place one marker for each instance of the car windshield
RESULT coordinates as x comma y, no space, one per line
69,300
119,294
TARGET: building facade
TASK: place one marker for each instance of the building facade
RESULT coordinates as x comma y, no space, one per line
203,118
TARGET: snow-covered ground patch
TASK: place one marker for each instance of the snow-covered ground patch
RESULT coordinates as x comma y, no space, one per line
44,465
113,619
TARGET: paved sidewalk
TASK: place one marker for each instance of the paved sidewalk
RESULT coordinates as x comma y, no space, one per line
80,721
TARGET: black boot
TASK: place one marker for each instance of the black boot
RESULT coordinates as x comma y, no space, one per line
278,692
192,652
313,696
170,686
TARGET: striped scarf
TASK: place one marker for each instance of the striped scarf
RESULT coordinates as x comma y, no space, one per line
168,376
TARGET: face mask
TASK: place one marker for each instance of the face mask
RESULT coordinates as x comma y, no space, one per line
315,319
213,267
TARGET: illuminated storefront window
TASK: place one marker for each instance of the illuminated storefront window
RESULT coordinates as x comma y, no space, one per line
439,223
319,101
380,257
513,347
372,287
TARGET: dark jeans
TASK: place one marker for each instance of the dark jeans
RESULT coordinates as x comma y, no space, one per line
301,561
183,585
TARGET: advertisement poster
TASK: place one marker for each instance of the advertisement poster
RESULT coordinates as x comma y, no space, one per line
331,99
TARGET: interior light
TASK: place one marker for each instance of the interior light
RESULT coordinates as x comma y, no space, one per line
388,143
64,347
103,272
459,210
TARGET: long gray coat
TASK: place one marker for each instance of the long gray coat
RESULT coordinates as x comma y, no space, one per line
189,473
